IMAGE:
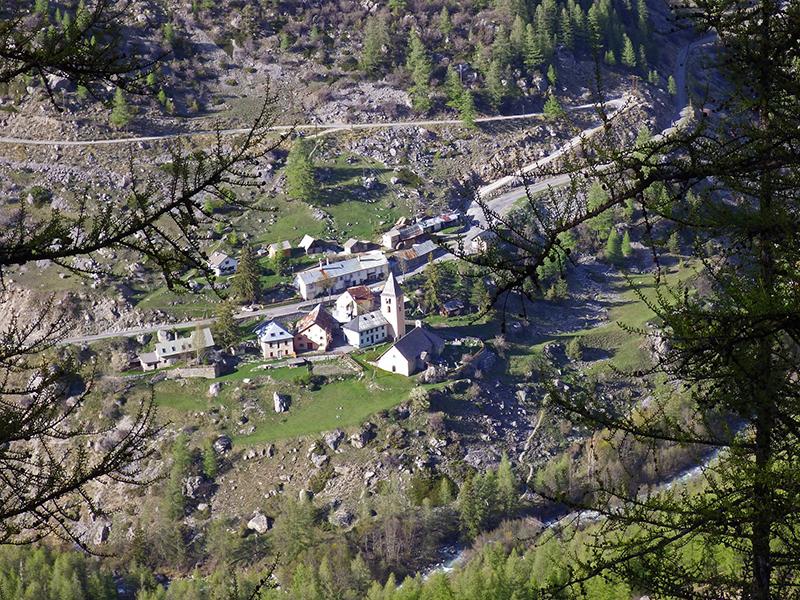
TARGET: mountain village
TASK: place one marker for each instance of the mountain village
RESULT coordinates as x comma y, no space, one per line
361,302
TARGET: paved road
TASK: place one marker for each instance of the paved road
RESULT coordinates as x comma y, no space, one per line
323,127
504,202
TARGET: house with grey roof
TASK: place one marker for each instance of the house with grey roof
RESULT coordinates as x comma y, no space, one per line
366,330
171,348
411,352
311,245
333,277
274,340
418,255
222,264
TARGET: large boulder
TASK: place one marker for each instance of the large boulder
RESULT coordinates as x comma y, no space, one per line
222,444
281,402
362,437
191,486
260,523
214,389
333,438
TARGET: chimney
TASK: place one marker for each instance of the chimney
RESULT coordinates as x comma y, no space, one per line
417,323
327,260
320,263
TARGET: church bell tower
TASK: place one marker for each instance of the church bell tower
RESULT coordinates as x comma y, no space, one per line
393,307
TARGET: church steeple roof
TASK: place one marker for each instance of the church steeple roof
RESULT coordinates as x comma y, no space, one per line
392,288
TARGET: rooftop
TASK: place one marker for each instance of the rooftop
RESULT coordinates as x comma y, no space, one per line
370,260
182,345
417,341
272,331
318,316
367,321
217,258
359,292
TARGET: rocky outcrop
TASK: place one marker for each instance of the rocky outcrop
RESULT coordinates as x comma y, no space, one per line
362,437
223,444
280,402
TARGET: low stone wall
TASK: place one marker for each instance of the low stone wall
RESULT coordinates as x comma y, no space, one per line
200,371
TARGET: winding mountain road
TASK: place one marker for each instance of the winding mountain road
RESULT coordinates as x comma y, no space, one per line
321,127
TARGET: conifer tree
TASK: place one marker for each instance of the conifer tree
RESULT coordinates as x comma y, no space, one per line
376,40
626,244
481,298
431,297
551,75
224,330
120,113
454,89
552,107
247,280
419,63
210,464
445,24
628,52
301,183
495,89
501,47
672,87
466,109
533,56
517,39
613,252
507,487
566,32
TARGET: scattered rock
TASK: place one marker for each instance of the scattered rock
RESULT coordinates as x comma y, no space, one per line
260,523
214,389
342,518
222,444
333,438
191,486
319,459
362,438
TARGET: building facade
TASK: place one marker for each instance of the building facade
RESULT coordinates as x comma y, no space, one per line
335,277
274,340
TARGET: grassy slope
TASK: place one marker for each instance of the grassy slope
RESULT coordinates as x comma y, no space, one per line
341,403
624,347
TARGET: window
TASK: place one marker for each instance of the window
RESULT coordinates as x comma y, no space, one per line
394,368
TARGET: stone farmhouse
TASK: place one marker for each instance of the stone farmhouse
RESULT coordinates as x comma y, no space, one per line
334,277
283,248
171,348
222,264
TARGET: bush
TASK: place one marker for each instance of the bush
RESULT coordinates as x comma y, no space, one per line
574,349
